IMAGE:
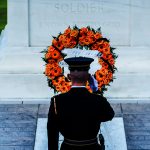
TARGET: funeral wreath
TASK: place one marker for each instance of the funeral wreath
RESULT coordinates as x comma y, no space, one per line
80,38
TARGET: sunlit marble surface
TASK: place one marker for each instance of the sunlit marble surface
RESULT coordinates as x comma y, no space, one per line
21,65
24,71
119,20
113,132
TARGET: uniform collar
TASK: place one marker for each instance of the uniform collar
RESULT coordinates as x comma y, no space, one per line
78,87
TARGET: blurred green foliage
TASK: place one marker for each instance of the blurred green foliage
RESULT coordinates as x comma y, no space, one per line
3,14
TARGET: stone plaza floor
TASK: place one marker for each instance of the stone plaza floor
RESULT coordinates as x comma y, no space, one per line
18,124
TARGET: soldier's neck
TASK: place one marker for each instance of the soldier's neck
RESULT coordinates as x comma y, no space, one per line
78,84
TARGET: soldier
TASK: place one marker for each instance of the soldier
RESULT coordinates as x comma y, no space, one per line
77,114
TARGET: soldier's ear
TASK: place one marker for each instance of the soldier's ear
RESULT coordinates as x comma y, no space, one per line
69,76
89,76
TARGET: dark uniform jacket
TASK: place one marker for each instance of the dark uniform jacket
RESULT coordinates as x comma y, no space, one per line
79,114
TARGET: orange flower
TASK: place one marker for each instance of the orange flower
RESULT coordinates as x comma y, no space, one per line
97,35
50,48
69,42
68,84
106,44
48,66
106,50
100,42
102,63
74,33
99,75
103,47
67,31
94,46
64,42
105,65
73,44
91,40
60,46
110,75
58,88
106,81
57,71
86,41
111,61
90,33
104,71
52,61
58,81
49,72
51,66
100,60
54,82
55,54
61,38
64,89
81,40
83,30
48,55
51,76
57,44
107,56
61,84
60,59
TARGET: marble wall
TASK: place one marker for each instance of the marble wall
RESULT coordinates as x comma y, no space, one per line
32,22
124,22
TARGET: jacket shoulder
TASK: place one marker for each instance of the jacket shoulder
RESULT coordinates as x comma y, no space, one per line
59,96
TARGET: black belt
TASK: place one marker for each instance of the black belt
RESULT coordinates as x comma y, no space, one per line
80,142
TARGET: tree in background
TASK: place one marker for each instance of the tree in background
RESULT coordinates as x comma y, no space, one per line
3,14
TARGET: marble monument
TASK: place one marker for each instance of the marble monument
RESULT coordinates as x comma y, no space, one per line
31,24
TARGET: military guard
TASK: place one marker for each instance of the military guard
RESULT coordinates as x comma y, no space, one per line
77,114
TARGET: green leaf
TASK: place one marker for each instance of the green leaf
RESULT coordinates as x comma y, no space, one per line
115,56
112,48
93,30
80,47
115,68
89,27
64,55
54,37
63,70
86,47
75,27
44,59
99,30
44,51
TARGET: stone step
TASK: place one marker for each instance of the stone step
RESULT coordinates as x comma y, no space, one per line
34,86
27,60
22,60
22,68
113,132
